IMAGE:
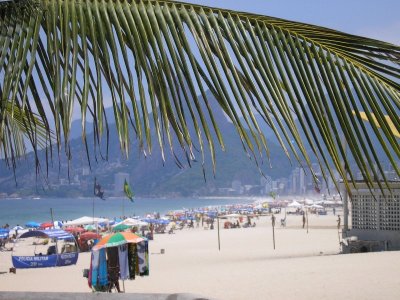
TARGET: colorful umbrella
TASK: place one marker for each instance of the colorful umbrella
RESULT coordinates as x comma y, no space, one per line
32,225
75,229
90,227
46,225
90,236
121,227
117,239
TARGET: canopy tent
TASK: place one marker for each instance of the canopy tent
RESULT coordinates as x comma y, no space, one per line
295,204
132,222
308,201
52,257
51,233
316,206
85,221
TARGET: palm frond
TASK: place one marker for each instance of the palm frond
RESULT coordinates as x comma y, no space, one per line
158,56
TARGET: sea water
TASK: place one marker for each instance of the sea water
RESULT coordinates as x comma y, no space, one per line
20,211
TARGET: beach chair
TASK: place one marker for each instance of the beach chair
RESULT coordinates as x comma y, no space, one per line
283,222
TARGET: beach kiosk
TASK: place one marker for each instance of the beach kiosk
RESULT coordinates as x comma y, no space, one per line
371,218
44,248
117,256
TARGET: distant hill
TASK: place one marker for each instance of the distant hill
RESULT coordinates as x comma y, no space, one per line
148,176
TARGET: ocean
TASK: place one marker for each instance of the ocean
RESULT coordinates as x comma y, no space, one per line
20,211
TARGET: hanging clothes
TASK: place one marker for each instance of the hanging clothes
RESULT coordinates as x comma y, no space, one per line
123,262
143,269
103,276
132,260
94,268
113,264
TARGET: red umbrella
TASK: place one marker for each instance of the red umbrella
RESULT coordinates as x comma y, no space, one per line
75,229
90,236
46,225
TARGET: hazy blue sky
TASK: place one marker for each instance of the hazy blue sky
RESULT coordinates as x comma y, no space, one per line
372,18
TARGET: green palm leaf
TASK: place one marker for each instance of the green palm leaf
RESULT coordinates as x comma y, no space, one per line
157,56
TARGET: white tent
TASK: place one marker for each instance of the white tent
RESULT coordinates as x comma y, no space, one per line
308,201
85,221
316,206
131,222
295,204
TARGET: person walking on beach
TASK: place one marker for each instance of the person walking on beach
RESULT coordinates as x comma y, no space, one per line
304,219
334,211
338,222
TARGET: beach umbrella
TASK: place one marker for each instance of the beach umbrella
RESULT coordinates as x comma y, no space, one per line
121,227
90,227
89,236
32,225
117,239
46,225
74,229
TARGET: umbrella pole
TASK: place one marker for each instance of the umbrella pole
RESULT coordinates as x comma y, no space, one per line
273,229
219,242
123,285
307,218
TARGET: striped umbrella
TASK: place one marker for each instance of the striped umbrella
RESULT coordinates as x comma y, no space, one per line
117,239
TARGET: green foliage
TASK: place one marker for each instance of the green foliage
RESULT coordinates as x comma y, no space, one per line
303,80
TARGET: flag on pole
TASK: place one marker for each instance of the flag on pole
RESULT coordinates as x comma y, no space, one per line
128,191
98,192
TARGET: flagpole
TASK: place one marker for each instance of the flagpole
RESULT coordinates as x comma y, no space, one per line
273,229
219,242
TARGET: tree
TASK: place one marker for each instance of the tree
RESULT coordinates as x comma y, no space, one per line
156,56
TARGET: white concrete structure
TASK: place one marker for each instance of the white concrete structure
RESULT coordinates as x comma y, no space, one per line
375,214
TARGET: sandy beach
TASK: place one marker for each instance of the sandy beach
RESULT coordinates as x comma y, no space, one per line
303,265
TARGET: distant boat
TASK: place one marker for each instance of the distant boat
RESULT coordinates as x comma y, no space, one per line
36,198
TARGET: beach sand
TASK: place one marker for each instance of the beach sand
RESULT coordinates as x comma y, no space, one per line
303,265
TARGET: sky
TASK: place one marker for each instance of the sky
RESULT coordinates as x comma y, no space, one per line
370,18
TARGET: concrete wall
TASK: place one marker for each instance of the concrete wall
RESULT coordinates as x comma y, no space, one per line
97,296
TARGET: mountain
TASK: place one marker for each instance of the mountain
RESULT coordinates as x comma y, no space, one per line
149,176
